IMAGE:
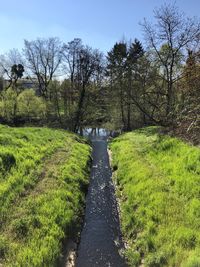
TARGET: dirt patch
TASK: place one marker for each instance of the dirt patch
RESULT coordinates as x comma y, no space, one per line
69,254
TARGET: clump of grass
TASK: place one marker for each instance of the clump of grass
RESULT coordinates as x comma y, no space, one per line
158,183
44,178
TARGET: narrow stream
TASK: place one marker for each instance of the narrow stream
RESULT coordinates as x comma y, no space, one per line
101,241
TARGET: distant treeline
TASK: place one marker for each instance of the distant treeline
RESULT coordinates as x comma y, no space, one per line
71,85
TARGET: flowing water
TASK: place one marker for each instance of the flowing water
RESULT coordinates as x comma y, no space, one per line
101,241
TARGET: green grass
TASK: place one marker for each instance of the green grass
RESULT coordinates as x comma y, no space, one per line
158,185
43,181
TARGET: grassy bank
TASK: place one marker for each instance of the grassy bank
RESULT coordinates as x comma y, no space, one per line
43,180
158,181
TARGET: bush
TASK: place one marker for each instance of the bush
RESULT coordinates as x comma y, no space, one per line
8,104
31,106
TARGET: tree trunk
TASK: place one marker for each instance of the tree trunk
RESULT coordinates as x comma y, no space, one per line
122,106
128,127
57,107
79,109
169,108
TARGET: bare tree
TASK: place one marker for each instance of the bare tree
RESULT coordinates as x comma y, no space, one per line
169,37
89,66
12,67
71,52
83,65
43,57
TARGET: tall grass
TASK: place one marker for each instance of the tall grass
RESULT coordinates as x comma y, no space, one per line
158,181
44,176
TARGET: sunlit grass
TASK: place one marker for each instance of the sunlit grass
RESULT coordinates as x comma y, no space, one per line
158,181
44,176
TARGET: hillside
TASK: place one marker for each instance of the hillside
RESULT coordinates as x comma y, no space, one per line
158,185
43,181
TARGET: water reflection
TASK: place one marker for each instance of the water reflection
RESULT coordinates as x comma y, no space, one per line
94,132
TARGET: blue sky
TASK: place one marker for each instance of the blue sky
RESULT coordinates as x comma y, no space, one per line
99,23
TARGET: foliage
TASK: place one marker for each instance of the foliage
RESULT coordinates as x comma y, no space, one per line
30,105
44,176
17,71
24,104
133,86
169,38
188,120
8,103
122,69
158,186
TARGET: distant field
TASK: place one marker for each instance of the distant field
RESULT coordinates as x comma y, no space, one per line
158,181
43,180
